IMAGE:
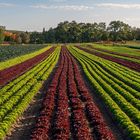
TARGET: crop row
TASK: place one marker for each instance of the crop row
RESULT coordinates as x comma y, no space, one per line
10,73
130,97
66,105
61,126
123,111
100,129
42,130
37,74
119,95
17,98
114,53
77,108
127,76
116,56
126,63
118,88
19,59
19,82
12,51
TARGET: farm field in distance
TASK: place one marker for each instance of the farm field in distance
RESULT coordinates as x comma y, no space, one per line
73,91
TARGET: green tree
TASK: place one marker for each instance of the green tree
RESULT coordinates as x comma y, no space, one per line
136,33
36,38
1,35
119,31
18,39
25,36
61,32
74,32
102,32
50,36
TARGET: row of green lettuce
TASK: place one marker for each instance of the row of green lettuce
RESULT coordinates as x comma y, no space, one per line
16,96
123,49
22,58
123,76
113,55
12,51
115,85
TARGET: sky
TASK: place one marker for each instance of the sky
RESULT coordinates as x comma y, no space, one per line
33,15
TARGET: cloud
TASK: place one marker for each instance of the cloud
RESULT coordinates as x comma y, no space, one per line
7,5
63,7
118,5
132,19
58,0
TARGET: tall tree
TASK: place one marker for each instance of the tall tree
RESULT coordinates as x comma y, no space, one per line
1,35
25,36
102,31
74,32
61,32
119,31
36,38
136,33
18,39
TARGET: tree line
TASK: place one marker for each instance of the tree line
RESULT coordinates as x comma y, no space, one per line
73,32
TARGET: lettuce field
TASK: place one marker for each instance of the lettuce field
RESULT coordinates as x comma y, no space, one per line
69,92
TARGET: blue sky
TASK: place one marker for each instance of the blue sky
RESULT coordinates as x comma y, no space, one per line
33,15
